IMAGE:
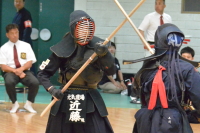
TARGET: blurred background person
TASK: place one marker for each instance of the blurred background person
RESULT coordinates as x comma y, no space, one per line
113,83
17,58
151,22
188,53
24,21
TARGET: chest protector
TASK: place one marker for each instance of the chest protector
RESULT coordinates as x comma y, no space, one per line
77,55
89,77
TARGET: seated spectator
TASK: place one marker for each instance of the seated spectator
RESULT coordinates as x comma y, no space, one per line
17,58
188,53
115,83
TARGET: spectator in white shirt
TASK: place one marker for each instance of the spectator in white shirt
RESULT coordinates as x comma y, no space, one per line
16,65
151,22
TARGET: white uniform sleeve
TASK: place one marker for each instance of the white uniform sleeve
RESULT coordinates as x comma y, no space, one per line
3,59
170,19
145,23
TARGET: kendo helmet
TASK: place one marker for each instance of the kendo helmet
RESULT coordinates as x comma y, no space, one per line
82,27
168,36
164,35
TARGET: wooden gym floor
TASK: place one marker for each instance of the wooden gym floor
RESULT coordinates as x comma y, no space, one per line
121,119
121,114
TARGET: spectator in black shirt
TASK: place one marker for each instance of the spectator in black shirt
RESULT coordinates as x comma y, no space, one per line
24,21
115,83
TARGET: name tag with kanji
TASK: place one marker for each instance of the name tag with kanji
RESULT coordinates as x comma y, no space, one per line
76,112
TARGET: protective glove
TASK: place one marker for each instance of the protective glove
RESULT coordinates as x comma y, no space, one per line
193,116
195,113
56,92
100,49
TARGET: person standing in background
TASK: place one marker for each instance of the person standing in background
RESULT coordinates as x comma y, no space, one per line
151,22
24,21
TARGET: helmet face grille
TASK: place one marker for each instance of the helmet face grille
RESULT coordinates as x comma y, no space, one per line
84,31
